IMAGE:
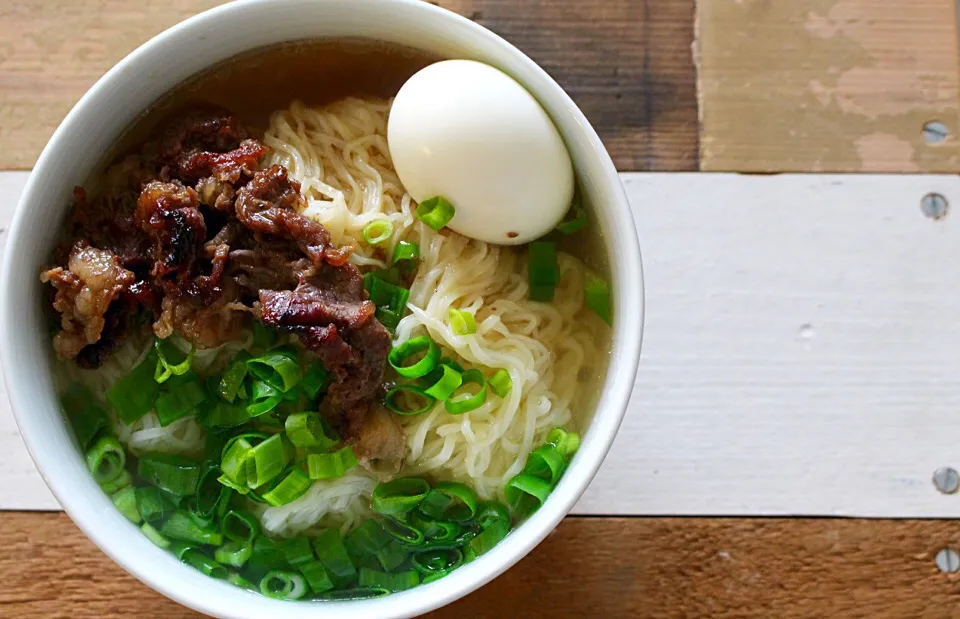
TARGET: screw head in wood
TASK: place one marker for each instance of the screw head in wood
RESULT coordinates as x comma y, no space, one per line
946,480
948,560
934,206
935,132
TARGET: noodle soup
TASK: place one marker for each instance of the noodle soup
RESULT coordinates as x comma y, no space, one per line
282,369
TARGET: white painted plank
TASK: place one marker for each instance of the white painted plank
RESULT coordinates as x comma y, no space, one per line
801,354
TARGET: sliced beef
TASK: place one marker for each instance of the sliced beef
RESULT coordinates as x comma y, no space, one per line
207,327
169,214
209,143
333,318
271,203
92,280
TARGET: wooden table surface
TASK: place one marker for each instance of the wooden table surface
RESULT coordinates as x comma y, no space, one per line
834,86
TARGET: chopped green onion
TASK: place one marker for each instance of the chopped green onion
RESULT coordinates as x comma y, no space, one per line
123,480
369,536
501,383
234,462
293,486
152,504
406,533
377,231
331,465
542,270
436,560
86,416
463,501
435,212
154,536
314,380
435,503
172,473
125,501
494,519
575,223
390,401
566,442
266,555
211,495
277,368
398,581
239,581
405,250
317,576
409,349
526,493
333,554
283,585
164,369
448,382
240,526
190,528
457,404
106,459
179,403
399,496
234,554
222,414
267,461
546,462
462,322
597,292
296,550
133,396
229,386
193,557
357,593
307,430
263,398
392,556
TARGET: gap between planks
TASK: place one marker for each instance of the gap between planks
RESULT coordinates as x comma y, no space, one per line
800,352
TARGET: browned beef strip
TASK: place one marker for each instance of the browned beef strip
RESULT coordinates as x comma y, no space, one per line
209,143
169,213
332,317
85,289
271,204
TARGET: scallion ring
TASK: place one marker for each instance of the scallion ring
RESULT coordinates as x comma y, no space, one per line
399,496
501,383
575,223
415,345
457,404
597,293
413,392
405,250
106,459
377,231
435,212
448,382
283,585
462,322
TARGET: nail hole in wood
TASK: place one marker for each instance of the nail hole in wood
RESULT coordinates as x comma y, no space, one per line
934,206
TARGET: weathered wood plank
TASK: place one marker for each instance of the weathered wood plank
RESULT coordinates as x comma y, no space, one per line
591,567
828,85
626,63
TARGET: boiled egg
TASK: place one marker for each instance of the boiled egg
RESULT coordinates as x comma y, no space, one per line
471,134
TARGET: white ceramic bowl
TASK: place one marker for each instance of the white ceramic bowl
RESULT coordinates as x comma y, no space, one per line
98,120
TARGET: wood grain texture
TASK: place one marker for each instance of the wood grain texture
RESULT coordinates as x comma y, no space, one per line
798,354
627,63
827,85
590,567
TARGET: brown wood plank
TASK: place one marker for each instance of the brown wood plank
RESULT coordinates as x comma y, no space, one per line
828,85
591,567
640,96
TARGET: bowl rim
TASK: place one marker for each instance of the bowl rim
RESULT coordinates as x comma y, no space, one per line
211,597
